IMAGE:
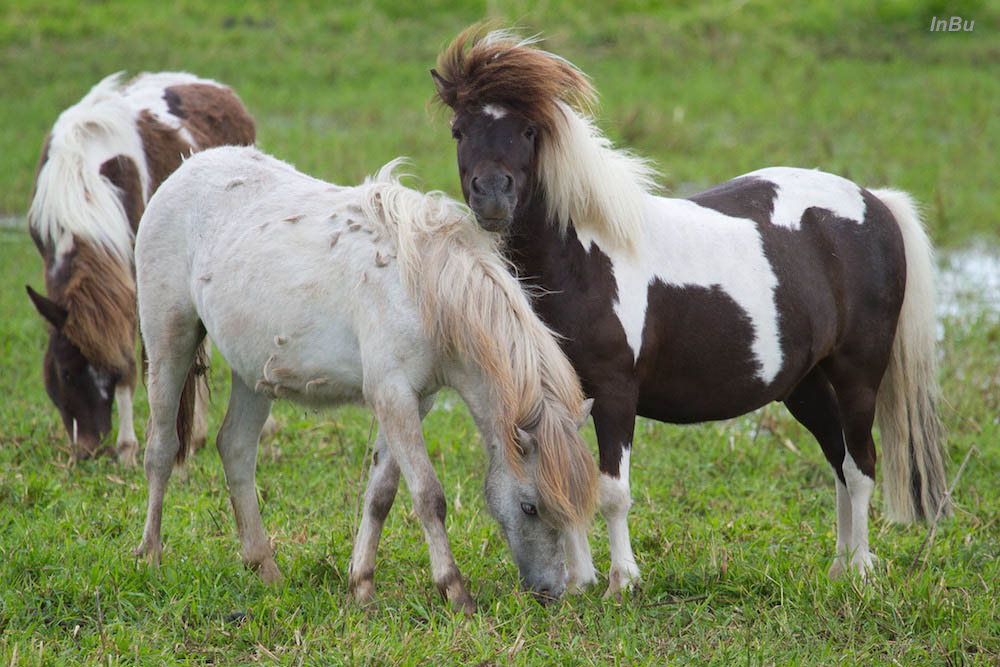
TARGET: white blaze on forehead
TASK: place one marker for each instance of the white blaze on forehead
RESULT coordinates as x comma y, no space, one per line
494,111
801,189
687,245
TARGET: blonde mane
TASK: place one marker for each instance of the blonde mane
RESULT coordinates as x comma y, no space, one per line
588,182
72,198
472,305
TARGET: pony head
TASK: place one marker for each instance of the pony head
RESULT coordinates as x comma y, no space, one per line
523,500
521,120
504,97
81,391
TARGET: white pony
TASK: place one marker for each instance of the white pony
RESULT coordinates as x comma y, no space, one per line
323,295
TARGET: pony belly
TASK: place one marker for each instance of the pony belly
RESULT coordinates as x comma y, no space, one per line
317,362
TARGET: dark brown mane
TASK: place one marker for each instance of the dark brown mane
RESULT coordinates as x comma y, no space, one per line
492,67
99,298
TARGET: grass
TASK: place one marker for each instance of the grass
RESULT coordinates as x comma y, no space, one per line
733,521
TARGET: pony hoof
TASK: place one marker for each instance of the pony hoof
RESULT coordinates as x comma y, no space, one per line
151,554
464,604
580,583
621,580
363,591
269,573
125,452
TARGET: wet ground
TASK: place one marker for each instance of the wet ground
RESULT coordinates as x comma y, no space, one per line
968,284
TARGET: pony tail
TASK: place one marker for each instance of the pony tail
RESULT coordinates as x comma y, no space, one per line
187,410
906,407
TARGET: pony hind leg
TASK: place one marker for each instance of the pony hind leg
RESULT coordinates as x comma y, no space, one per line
171,352
814,404
856,386
237,445
383,482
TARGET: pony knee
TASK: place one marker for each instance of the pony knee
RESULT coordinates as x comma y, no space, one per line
430,504
614,498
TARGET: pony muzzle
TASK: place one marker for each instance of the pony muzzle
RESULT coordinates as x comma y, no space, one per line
492,198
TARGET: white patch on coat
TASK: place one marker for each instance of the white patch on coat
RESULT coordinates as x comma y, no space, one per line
802,189
494,111
685,244
615,500
72,198
859,488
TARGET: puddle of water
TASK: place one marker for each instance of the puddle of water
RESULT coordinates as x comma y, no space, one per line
968,285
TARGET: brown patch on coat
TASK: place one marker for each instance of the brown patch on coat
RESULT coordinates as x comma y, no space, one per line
163,146
124,174
214,115
99,296
475,71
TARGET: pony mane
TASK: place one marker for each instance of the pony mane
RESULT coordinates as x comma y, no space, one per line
472,305
72,198
586,180
101,314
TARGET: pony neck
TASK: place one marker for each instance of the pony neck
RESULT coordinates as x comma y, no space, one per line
479,395
542,253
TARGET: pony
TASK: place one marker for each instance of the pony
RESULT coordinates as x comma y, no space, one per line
783,284
101,162
322,295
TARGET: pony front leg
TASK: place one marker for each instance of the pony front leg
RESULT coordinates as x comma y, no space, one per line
396,409
383,481
614,422
615,501
126,444
237,444
579,563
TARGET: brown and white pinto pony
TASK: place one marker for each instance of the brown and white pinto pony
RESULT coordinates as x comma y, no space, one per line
100,164
781,285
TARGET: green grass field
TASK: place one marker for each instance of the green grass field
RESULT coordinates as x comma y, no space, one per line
733,522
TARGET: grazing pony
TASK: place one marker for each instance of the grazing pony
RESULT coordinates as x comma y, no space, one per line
783,284
323,295
103,159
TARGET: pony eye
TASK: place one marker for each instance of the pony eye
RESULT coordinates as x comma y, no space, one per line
456,134
529,133
529,509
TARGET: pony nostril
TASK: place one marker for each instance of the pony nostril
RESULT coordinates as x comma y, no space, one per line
475,186
508,184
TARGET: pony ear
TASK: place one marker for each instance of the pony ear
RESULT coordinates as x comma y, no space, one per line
445,89
47,308
525,441
588,404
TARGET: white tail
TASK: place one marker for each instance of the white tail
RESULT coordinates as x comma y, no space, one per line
912,435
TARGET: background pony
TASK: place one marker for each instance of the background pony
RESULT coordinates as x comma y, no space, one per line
103,159
323,295
781,285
